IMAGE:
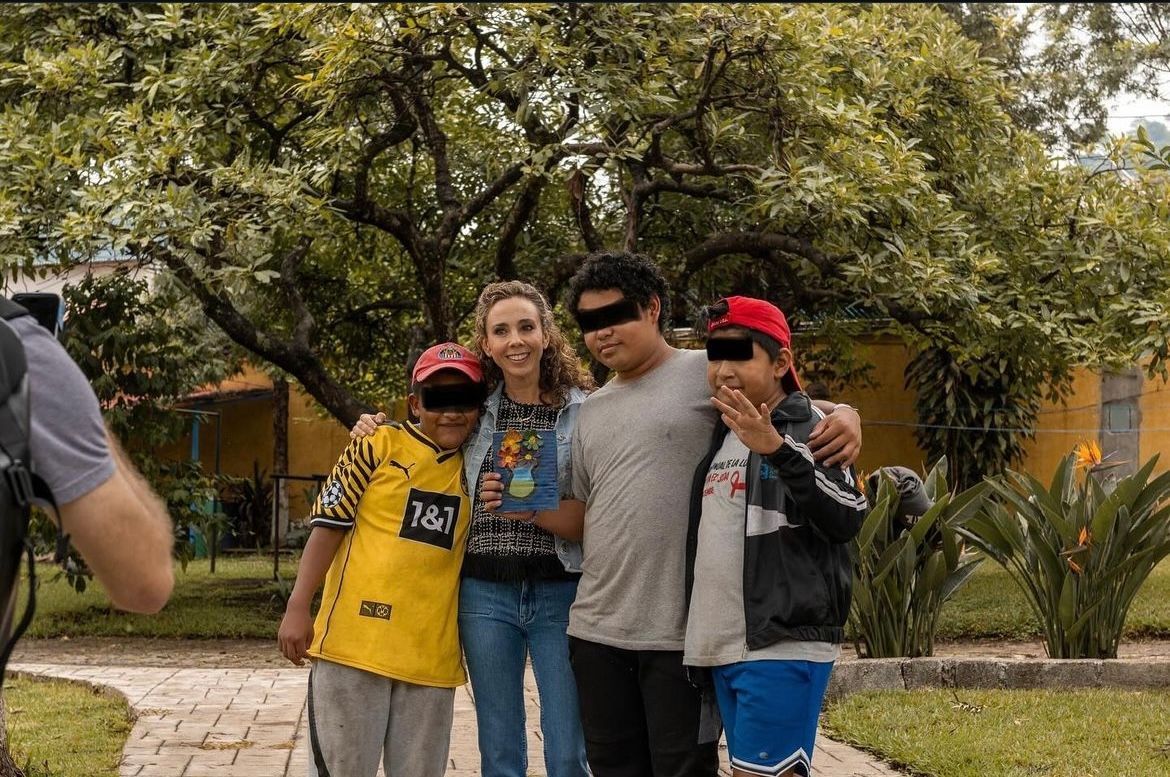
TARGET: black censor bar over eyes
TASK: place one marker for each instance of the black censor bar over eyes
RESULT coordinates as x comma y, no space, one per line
730,349
620,312
456,396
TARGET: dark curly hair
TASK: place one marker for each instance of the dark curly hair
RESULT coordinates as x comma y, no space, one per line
634,275
560,368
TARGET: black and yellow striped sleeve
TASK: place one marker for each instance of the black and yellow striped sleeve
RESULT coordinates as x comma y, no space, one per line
336,505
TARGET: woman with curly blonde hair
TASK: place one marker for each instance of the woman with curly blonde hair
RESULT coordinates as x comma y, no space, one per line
520,571
519,576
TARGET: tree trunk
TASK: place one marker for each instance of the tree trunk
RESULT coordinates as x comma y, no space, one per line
280,449
8,767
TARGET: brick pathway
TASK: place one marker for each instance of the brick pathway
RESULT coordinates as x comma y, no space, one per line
251,723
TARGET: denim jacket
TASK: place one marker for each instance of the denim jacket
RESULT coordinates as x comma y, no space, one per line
568,552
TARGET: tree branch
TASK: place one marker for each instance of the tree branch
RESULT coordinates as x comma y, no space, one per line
289,265
577,195
357,314
756,244
436,142
398,133
657,185
297,360
518,217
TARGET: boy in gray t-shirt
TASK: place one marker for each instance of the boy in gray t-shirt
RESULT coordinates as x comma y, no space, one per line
637,442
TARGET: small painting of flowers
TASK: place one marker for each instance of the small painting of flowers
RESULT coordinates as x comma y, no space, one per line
527,462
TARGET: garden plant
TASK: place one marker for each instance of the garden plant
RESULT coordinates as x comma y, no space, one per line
901,581
1080,548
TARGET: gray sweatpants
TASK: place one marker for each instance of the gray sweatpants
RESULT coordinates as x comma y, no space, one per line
355,717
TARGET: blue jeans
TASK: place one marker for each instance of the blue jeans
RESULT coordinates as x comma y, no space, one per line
500,624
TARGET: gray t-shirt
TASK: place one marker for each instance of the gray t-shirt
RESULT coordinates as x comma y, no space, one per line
635,450
67,441
716,634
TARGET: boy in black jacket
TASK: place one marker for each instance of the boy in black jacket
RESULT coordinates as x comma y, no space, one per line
768,567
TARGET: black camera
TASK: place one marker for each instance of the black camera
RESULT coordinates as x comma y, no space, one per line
46,308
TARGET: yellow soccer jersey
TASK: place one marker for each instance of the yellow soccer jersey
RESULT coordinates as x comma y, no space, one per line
391,596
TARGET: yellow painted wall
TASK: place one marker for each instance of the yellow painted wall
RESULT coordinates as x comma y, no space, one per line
888,416
315,439
887,410
1061,426
1155,435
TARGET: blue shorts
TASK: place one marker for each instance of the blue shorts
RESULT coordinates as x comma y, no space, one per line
770,711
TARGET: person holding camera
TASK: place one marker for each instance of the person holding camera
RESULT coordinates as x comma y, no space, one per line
118,525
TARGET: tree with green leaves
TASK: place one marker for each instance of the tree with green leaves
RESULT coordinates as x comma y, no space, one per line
333,184
1068,60
143,350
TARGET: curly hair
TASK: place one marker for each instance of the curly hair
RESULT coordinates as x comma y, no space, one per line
560,368
634,275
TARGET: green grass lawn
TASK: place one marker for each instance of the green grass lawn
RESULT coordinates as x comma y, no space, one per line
992,606
239,600
61,729
1011,733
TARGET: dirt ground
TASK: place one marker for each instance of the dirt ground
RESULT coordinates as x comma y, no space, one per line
260,653
130,651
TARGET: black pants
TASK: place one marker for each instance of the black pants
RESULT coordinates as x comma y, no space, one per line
640,713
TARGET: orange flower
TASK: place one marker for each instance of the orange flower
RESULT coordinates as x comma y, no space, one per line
511,442
1085,538
507,459
1088,454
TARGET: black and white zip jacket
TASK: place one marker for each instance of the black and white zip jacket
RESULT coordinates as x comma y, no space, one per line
800,517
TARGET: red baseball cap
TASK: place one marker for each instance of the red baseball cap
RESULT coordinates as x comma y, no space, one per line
760,316
447,356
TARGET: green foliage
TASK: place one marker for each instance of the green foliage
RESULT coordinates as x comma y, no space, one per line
1066,61
1153,156
992,607
192,499
1079,549
142,350
973,732
900,583
976,416
239,601
248,501
332,184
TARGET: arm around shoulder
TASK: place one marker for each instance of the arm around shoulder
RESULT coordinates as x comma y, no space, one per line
122,530
836,439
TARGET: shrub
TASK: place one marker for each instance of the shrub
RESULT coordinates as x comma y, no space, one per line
1080,548
901,582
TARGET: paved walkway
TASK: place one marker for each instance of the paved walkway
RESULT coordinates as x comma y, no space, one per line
251,723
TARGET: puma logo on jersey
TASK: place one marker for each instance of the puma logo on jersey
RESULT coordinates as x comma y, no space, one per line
405,470
375,610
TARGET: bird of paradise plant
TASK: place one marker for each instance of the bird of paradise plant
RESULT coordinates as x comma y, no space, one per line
900,584
1079,548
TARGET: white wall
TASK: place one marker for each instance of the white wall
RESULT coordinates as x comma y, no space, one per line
54,282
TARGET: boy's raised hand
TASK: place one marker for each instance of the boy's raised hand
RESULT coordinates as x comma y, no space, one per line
751,424
366,425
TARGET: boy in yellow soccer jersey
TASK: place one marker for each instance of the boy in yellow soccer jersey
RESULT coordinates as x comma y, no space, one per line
389,529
